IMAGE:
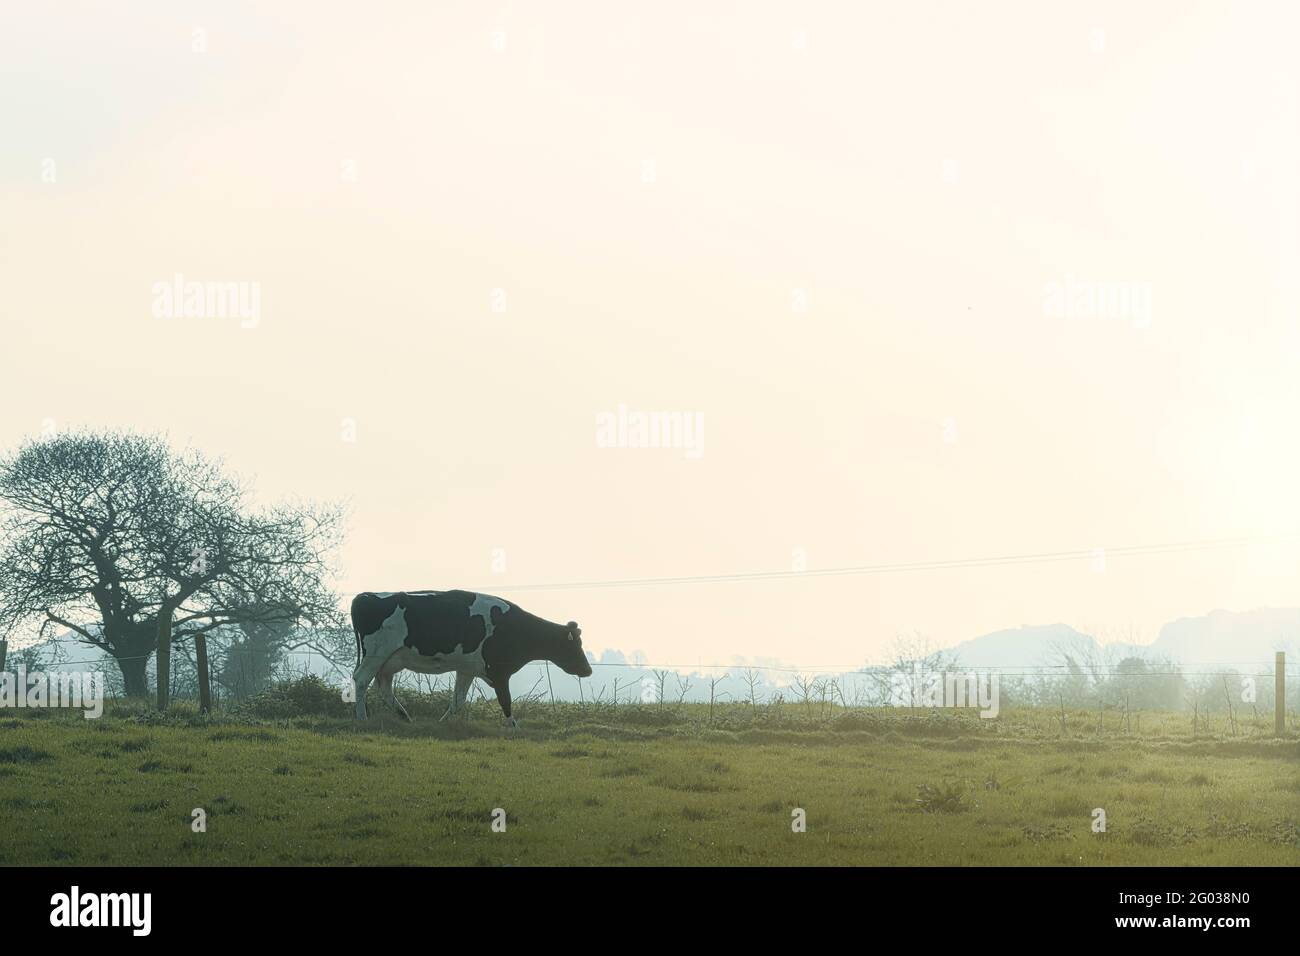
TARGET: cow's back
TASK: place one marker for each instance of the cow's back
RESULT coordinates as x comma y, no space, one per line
437,622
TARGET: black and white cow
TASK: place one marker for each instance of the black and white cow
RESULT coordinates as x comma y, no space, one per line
475,635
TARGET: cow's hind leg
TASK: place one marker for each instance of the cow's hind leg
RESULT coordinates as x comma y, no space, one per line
386,675
361,678
376,648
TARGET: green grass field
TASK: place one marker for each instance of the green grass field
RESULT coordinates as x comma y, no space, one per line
640,785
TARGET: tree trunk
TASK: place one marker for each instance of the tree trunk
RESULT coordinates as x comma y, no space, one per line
164,657
201,663
135,680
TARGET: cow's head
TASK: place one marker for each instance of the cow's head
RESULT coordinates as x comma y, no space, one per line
569,654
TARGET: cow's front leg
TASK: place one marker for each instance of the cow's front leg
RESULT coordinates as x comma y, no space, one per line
503,698
463,680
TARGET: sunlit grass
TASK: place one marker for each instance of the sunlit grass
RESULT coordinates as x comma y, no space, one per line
640,785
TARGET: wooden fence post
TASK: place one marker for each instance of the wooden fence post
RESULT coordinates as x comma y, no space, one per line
201,664
1279,693
164,657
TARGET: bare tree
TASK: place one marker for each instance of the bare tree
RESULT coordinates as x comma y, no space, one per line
819,688
130,545
804,687
913,662
661,678
1227,696
713,692
751,679
683,685
837,690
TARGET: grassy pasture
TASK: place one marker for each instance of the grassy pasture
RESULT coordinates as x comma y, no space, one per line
638,785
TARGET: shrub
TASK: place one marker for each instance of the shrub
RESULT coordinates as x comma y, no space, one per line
945,798
301,697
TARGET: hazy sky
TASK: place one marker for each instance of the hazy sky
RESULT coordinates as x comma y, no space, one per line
941,280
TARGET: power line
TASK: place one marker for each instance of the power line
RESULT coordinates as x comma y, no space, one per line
892,568
1002,670
935,565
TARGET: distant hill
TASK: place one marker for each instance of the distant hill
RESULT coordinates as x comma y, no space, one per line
1025,645
1226,637
1220,637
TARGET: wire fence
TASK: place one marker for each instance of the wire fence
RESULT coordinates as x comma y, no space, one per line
1265,668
